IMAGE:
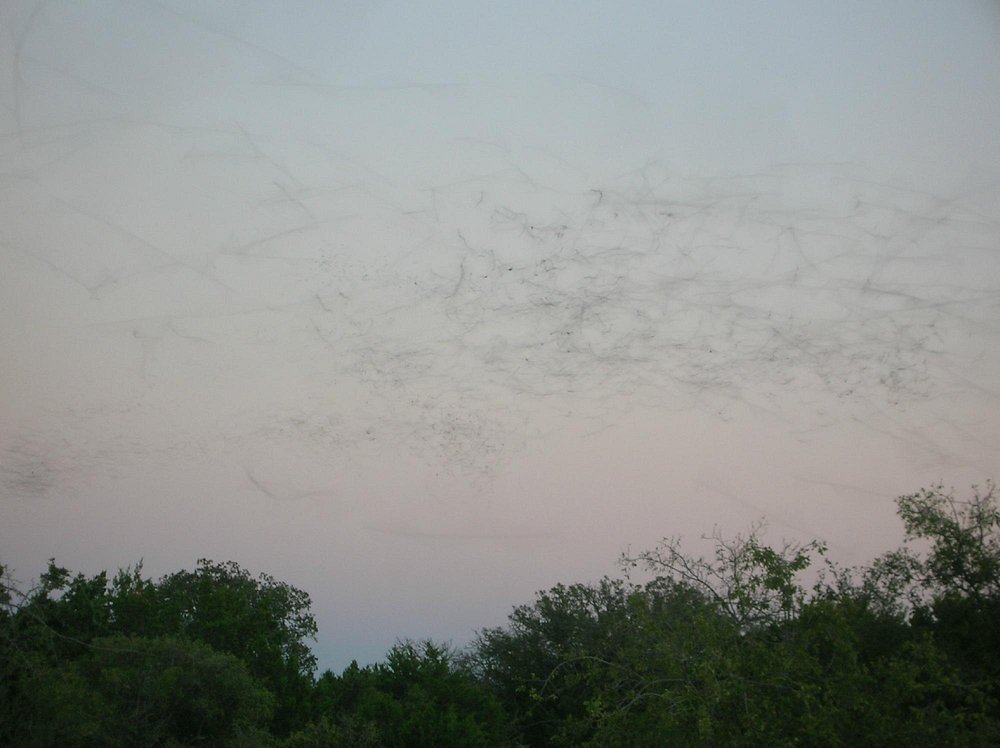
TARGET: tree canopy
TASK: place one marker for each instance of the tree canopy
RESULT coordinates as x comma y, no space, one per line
753,645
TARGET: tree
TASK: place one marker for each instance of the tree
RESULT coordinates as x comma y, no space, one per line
736,650
324,733
956,581
420,696
964,557
263,622
750,582
135,691
729,650
544,665
260,621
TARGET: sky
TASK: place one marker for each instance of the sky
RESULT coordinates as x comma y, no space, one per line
424,307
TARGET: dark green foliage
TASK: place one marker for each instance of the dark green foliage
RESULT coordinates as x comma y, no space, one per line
325,734
261,623
420,696
131,691
964,560
543,664
732,650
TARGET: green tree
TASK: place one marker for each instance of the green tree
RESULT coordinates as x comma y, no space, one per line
420,696
264,622
737,650
323,733
747,580
964,557
544,666
44,628
957,579
134,691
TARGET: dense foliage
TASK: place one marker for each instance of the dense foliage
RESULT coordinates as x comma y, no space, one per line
731,650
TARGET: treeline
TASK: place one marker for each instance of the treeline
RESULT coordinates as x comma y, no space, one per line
730,650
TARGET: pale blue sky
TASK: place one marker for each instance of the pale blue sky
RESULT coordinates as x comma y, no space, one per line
425,306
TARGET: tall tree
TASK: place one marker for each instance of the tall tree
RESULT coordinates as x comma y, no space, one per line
265,623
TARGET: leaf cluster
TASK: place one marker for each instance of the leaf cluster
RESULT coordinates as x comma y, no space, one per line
753,644
765,645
